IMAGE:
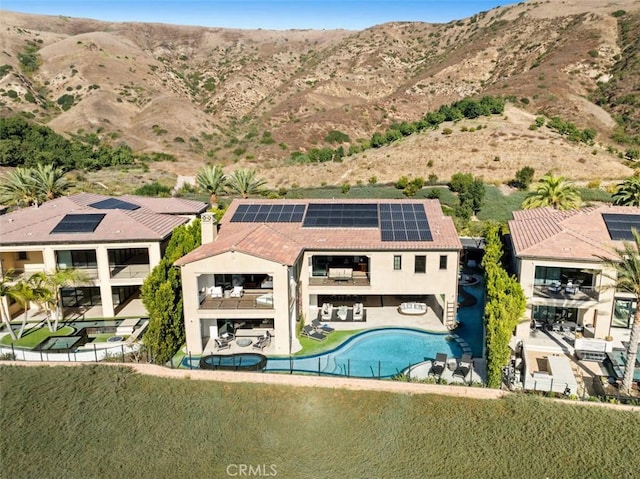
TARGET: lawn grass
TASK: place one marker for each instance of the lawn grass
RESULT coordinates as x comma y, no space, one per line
98,421
311,346
32,337
498,207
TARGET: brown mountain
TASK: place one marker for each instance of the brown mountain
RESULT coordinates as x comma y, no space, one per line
254,96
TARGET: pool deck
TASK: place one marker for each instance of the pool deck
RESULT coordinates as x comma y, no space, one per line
387,316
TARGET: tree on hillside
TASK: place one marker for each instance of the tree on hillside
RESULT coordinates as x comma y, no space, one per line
243,181
628,192
213,180
627,267
553,191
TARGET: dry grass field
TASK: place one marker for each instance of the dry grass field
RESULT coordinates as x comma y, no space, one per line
210,94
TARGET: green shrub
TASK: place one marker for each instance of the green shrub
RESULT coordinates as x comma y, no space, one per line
153,189
402,183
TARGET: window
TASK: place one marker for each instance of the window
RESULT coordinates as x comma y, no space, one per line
22,255
421,264
397,262
443,261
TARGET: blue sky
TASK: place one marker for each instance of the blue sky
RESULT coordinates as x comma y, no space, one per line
267,14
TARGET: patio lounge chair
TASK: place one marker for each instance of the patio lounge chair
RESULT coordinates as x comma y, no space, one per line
326,312
464,366
263,341
215,291
439,364
358,312
323,328
309,332
554,287
237,292
222,343
571,288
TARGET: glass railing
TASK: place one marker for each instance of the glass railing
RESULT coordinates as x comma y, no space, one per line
129,271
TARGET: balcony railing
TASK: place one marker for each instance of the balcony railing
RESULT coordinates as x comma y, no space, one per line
355,278
262,300
129,271
580,293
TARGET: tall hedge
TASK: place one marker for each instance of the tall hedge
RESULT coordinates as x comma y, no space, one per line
162,296
504,307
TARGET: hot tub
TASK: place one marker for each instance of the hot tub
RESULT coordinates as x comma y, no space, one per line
234,362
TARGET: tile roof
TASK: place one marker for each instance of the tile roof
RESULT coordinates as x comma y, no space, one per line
577,234
33,225
284,242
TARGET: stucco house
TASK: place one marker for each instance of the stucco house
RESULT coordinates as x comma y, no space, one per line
558,259
270,263
116,241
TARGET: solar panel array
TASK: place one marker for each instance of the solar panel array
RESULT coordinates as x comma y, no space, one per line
341,215
78,223
266,213
404,222
620,225
114,204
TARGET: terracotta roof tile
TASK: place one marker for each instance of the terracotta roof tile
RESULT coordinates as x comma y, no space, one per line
579,234
284,242
34,225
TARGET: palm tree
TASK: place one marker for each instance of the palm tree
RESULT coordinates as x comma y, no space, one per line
17,187
44,297
29,186
628,192
244,182
7,291
50,181
553,191
25,293
54,282
626,264
213,180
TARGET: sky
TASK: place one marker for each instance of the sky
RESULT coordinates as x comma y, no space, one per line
266,14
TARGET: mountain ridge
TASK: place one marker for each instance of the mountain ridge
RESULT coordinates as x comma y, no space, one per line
212,94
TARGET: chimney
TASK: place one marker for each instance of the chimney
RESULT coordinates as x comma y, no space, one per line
209,227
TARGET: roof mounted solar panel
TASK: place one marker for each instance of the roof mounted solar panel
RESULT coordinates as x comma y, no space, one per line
620,225
78,223
114,204
268,213
404,222
341,215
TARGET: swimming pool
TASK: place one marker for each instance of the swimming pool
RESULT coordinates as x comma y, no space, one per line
471,327
379,353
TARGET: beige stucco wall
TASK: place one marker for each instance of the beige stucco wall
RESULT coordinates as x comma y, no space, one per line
384,280
235,263
590,312
43,258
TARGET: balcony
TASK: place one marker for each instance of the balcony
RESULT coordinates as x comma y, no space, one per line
341,277
250,300
129,271
561,292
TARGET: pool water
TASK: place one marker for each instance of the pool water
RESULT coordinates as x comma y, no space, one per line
374,353
471,327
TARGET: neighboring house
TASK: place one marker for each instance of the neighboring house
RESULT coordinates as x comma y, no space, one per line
557,259
274,261
116,241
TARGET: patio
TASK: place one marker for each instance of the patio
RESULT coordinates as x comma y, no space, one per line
383,312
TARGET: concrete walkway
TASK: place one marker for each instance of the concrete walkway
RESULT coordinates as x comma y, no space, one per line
352,384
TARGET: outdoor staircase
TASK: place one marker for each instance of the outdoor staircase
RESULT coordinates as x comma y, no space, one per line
450,316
